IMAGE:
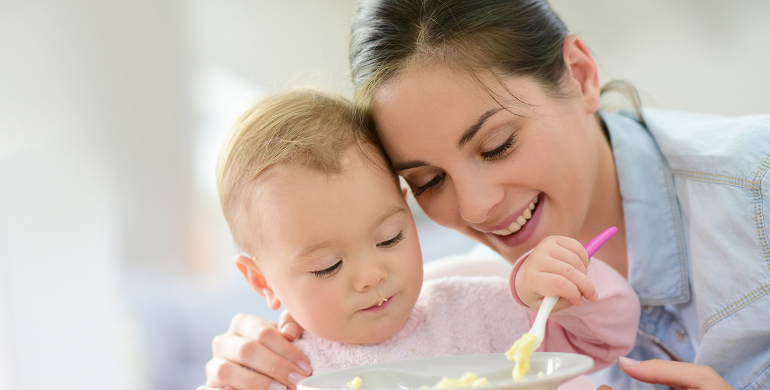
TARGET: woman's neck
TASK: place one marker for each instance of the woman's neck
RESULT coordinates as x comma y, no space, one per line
606,209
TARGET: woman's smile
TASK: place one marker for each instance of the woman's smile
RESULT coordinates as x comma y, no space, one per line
522,228
514,223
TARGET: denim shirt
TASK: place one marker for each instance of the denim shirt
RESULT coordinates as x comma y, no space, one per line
696,205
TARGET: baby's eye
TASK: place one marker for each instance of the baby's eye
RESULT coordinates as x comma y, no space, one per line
393,241
324,273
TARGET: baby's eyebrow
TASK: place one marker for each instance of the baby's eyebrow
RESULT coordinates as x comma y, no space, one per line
395,210
313,248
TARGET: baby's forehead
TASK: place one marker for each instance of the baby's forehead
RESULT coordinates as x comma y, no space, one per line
296,201
355,160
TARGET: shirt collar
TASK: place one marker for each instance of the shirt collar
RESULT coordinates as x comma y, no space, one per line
657,255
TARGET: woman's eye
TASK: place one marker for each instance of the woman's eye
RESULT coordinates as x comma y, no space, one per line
500,151
392,242
328,271
435,181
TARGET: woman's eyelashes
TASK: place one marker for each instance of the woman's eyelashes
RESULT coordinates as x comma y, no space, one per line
393,241
500,151
328,271
497,153
432,184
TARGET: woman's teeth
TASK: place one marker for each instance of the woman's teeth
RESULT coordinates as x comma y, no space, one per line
516,225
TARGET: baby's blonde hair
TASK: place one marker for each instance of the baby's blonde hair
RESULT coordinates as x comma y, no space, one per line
305,127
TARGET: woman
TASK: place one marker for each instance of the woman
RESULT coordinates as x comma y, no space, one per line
483,106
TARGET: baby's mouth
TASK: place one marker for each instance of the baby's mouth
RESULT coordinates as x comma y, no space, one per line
520,221
379,305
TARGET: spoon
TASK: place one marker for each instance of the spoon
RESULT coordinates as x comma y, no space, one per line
521,351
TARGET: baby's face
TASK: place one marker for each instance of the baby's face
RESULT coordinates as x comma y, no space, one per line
333,247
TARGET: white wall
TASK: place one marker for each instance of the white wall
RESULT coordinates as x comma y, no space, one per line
94,172
696,55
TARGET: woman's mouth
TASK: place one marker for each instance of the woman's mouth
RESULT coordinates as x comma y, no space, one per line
522,227
520,221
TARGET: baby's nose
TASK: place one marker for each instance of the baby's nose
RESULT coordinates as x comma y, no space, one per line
370,275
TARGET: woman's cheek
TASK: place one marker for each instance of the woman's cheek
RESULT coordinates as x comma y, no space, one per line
437,208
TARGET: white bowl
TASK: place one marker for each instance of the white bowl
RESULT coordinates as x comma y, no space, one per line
411,374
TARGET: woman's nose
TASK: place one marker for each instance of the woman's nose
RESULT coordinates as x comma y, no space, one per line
475,198
370,274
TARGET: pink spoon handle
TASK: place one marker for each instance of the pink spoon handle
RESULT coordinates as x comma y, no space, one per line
597,242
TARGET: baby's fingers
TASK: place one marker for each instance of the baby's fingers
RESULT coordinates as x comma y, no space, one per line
568,257
576,249
571,284
557,285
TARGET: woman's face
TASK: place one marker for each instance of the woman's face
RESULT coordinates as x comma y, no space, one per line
506,174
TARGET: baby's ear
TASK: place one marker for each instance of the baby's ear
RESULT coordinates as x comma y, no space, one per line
256,280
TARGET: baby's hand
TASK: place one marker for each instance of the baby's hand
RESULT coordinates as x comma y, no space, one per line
556,267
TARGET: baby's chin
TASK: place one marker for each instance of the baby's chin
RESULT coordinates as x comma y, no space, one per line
362,333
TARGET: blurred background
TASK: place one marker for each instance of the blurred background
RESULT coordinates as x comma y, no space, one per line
115,261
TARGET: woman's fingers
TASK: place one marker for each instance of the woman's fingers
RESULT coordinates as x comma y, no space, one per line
290,329
253,354
674,374
261,354
254,328
221,374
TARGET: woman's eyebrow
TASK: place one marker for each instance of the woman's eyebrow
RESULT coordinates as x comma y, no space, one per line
474,128
402,166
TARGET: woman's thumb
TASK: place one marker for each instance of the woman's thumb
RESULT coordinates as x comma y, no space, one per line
678,375
288,327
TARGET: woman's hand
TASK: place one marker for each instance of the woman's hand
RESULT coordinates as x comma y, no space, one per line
556,267
255,355
678,375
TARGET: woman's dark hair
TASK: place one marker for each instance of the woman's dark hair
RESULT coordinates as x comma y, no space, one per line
499,37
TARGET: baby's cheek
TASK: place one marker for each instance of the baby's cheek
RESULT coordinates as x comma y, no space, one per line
315,308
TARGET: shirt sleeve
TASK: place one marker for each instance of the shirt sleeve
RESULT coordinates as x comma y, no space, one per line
604,329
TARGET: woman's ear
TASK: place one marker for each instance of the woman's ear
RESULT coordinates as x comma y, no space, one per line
582,71
256,280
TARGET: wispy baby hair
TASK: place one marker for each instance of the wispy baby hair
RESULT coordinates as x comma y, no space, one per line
306,127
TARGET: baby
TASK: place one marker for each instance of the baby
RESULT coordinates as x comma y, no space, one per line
310,197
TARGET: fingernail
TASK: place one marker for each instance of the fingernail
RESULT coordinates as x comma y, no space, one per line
289,329
305,367
276,386
628,362
595,296
295,377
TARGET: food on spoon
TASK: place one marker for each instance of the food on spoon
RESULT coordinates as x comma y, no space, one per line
355,384
521,352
